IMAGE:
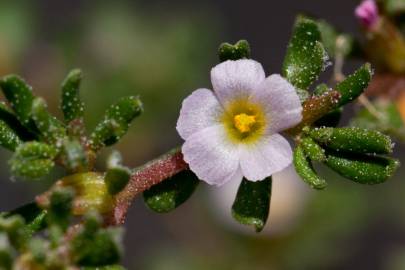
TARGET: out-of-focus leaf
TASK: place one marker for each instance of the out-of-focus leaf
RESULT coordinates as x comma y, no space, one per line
304,168
252,203
6,255
395,7
388,121
171,193
306,56
239,50
73,155
117,178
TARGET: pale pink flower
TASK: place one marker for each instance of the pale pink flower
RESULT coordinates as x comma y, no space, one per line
367,13
233,131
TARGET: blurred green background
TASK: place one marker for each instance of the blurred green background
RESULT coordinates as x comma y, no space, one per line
162,51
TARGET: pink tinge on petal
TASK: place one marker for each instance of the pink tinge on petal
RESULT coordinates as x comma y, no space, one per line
212,157
270,155
367,13
200,110
236,79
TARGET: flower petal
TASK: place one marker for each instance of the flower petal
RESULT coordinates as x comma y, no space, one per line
199,110
270,155
280,101
211,156
236,79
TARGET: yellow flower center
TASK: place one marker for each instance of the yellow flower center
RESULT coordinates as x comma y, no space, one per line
244,122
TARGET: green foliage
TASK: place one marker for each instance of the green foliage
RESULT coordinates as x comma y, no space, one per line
304,169
33,160
20,96
51,129
171,193
116,122
239,50
6,256
117,178
331,119
14,227
74,156
313,150
354,85
8,117
252,203
353,140
8,138
71,104
34,216
336,44
306,56
60,207
365,170
94,246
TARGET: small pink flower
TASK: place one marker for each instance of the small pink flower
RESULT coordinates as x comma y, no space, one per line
233,131
367,13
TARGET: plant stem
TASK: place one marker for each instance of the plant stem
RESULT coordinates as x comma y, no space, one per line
143,178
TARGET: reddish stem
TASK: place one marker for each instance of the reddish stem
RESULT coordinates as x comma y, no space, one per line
143,178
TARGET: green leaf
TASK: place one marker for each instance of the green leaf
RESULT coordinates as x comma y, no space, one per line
353,140
304,168
335,43
33,215
19,94
239,50
363,169
8,138
71,104
99,248
11,120
306,56
252,203
14,226
313,150
52,130
117,178
38,249
171,193
395,7
33,160
116,122
60,207
354,85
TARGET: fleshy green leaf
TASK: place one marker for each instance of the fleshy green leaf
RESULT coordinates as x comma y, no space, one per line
71,104
171,193
93,247
364,170
116,122
11,120
306,56
117,178
33,215
60,207
52,130
252,203
239,50
313,150
354,85
354,140
19,94
33,160
304,169
8,138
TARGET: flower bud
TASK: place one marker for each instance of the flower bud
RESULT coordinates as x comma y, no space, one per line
367,13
